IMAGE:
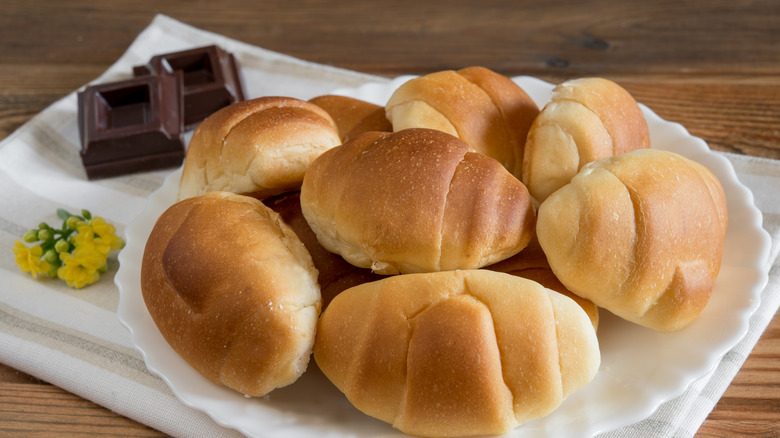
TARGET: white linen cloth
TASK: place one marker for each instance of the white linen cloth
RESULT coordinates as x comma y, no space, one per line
73,339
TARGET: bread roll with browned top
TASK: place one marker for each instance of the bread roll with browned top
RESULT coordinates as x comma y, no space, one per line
456,353
232,290
259,147
353,116
415,201
640,234
586,120
487,110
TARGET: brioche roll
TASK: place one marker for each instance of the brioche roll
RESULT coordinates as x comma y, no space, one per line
232,290
485,109
456,353
586,120
259,147
531,263
353,116
415,201
640,234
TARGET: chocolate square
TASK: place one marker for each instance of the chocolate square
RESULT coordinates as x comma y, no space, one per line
131,126
211,79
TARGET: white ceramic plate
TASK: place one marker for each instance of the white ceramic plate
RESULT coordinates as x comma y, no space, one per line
640,368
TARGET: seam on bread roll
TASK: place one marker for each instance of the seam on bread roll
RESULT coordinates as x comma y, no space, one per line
610,132
441,123
677,275
433,312
606,126
515,106
467,291
516,156
498,123
558,334
520,410
444,210
641,241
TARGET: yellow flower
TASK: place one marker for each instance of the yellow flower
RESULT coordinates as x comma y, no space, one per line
77,253
84,238
29,259
90,258
84,235
97,235
74,273
106,233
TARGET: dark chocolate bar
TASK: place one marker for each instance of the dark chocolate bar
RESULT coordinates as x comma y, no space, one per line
211,79
131,126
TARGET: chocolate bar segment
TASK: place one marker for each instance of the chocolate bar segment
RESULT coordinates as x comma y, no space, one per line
131,126
211,79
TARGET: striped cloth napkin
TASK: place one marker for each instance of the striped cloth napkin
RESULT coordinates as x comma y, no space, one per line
73,338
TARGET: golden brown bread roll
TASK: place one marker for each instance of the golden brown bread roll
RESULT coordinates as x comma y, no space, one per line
586,120
640,234
531,263
487,110
232,290
335,274
415,201
259,147
353,116
456,353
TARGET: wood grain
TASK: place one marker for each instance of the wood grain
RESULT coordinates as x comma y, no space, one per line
750,407
713,66
731,115
40,410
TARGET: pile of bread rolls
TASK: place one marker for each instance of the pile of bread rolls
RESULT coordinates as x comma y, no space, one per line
443,256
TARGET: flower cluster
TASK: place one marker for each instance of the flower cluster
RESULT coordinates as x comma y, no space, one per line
76,252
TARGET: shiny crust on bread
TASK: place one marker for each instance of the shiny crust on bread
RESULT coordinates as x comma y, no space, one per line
639,234
259,147
232,290
415,201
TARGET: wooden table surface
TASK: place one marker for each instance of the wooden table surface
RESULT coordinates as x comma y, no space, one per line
712,65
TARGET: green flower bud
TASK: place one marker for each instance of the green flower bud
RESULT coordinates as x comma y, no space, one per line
51,256
87,215
53,271
72,222
62,245
45,235
44,226
31,236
